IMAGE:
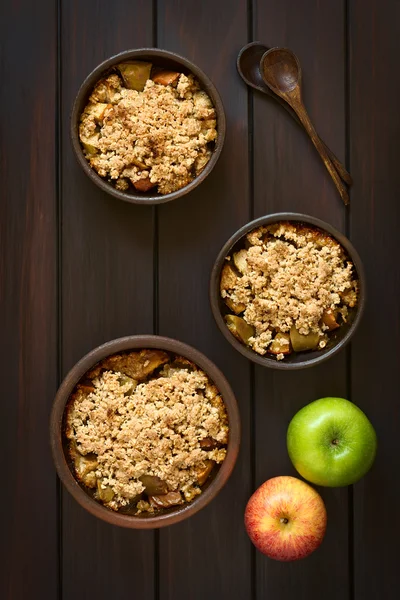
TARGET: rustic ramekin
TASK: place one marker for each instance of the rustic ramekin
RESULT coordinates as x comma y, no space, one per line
58,441
160,58
337,339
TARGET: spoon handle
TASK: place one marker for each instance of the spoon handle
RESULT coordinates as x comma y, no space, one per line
301,112
343,173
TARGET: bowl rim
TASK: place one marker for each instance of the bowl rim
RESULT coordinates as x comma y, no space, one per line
88,84
136,342
215,296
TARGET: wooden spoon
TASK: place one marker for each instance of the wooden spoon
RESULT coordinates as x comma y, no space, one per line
248,66
281,71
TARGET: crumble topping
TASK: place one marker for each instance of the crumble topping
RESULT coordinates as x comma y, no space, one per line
153,430
160,136
289,279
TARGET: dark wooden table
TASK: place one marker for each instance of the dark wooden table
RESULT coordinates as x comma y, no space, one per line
78,268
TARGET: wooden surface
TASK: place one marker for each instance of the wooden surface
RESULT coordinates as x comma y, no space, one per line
78,268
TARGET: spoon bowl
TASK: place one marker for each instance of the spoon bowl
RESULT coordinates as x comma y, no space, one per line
248,66
281,69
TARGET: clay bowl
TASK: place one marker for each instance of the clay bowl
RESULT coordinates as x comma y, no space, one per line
58,442
338,338
163,59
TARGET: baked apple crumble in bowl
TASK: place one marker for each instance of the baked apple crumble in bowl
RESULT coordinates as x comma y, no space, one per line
288,290
145,431
147,126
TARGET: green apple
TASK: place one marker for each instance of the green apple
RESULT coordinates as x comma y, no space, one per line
331,442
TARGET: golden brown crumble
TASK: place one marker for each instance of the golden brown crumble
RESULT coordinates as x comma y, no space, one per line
159,136
171,428
291,285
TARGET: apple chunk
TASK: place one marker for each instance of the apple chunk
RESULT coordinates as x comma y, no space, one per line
229,277
144,185
239,328
98,110
328,319
166,77
301,343
135,73
240,260
280,344
236,307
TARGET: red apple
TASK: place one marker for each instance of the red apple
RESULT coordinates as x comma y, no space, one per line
285,518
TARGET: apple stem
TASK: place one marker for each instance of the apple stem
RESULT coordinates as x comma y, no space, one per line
335,442
284,520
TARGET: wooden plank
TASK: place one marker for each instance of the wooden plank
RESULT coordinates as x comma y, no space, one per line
289,175
209,554
28,298
107,260
375,219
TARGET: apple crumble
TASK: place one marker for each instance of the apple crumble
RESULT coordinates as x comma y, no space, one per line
145,430
292,285
148,128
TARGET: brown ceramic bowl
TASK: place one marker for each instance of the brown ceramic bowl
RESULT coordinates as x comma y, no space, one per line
163,59
58,441
337,339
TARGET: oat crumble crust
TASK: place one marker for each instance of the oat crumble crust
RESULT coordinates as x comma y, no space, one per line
155,430
289,274
162,133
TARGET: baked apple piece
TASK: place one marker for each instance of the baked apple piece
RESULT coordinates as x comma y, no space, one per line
236,307
137,365
229,277
328,319
125,380
208,443
240,261
203,471
301,342
165,77
153,485
239,328
166,500
104,492
135,73
143,185
280,344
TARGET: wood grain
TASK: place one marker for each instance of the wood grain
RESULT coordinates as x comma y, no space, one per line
107,290
106,270
209,555
288,175
28,299
375,220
